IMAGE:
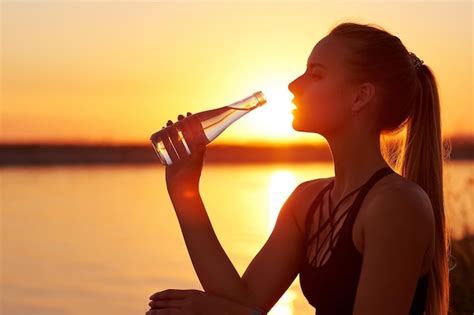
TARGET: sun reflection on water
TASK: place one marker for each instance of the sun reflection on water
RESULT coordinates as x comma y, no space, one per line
282,183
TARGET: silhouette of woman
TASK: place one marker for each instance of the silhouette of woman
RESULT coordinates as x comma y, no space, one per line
367,241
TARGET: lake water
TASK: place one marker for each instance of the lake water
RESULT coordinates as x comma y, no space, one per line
99,240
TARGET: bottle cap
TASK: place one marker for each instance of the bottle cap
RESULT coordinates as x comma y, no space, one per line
260,97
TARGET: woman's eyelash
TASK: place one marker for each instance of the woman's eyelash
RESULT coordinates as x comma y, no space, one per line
313,73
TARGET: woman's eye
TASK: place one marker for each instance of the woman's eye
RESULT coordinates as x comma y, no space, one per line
314,74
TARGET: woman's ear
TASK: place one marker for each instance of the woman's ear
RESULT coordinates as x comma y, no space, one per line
364,95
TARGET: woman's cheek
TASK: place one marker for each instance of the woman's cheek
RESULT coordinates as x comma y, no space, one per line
325,109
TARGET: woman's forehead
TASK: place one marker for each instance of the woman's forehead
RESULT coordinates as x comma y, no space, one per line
326,54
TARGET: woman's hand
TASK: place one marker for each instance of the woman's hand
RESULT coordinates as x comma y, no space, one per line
193,302
184,174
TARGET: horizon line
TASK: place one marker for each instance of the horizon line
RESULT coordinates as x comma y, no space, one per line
85,143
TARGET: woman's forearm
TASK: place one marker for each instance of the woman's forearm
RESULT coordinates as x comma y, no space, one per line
213,267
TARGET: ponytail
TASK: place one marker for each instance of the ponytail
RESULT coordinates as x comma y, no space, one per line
421,160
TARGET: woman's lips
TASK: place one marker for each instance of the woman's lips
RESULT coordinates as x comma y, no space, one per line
295,101
296,107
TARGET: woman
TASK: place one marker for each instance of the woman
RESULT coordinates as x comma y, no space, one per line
367,241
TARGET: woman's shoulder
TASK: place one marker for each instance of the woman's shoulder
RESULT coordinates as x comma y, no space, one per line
399,208
304,195
398,190
399,199
306,191
317,183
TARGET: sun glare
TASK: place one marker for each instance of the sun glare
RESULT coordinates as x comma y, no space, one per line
281,185
275,119
284,306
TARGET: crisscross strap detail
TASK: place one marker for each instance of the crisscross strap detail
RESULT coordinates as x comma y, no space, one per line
333,236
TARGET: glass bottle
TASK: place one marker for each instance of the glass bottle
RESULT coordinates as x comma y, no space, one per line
212,123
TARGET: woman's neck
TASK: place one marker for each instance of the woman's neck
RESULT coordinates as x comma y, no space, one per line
355,159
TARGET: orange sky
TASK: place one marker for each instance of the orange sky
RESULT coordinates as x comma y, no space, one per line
117,71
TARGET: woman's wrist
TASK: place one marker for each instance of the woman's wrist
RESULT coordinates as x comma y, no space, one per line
185,191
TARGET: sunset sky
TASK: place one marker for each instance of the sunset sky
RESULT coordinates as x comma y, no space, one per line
115,72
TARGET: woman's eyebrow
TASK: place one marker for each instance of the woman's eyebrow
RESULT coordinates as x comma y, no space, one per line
316,64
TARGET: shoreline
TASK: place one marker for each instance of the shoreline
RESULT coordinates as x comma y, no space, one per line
67,154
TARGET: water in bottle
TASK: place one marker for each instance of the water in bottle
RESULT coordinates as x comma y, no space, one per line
210,124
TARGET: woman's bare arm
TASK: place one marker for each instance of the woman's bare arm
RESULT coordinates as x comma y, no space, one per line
213,267
271,271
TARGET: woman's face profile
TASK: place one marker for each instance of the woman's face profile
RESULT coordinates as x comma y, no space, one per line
322,94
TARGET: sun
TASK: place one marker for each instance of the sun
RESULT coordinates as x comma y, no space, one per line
271,123
274,119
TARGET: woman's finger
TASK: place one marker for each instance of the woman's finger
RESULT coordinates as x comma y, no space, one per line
199,137
168,303
165,138
171,294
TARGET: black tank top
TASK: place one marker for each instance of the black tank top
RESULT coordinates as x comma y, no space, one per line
329,283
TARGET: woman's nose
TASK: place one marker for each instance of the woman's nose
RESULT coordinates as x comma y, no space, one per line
289,86
292,86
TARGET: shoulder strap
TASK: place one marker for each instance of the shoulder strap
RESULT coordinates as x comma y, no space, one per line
364,190
312,208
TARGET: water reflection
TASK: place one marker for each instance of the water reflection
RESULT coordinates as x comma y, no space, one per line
285,304
100,239
282,183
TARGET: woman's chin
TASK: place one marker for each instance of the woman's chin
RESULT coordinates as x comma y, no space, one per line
297,123
294,124
298,126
